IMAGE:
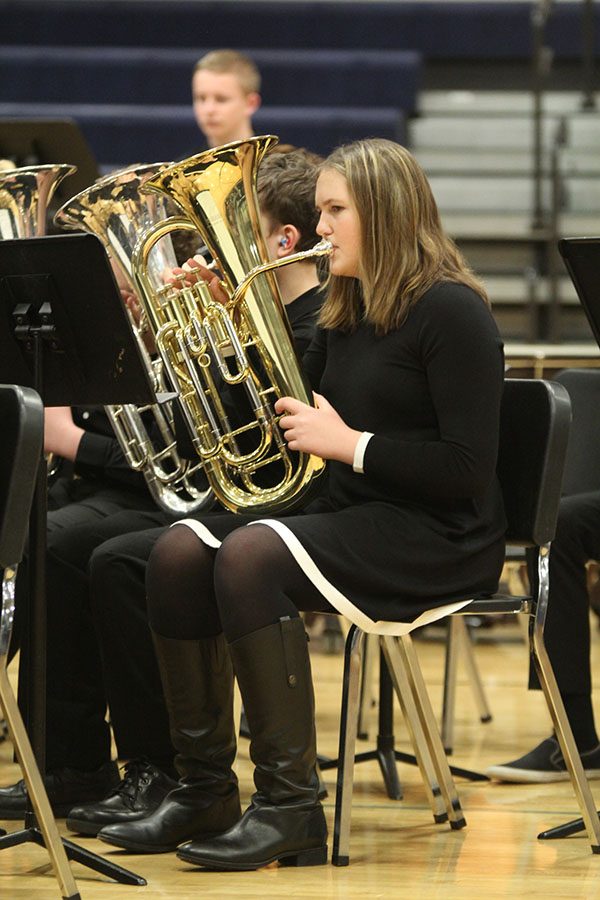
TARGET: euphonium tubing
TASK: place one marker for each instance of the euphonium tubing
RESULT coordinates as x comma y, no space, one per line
114,210
216,191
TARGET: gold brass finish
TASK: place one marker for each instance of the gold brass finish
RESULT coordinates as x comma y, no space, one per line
248,341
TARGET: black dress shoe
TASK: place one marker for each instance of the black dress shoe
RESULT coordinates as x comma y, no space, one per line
193,810
65,788
138,794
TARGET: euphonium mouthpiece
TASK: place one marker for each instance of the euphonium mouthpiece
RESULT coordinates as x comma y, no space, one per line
323,248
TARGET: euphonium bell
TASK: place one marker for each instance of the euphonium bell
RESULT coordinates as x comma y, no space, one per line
25,195
199,338
115,211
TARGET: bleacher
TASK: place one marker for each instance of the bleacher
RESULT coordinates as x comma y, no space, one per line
342,70
439,29
134,103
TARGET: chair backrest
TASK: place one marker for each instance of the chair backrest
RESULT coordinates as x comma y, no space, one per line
582,465
534,431
22,430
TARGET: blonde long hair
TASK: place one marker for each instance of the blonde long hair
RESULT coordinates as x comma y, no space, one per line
404,250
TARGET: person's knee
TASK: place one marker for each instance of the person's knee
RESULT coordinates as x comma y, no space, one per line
171,547
178,557
247,560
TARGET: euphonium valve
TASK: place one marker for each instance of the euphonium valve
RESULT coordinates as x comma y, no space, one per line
246,344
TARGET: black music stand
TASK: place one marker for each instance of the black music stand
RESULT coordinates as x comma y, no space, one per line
581,256
65,333
34,142
582,260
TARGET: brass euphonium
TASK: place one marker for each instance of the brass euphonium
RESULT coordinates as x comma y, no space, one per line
25,194
197,336
114,210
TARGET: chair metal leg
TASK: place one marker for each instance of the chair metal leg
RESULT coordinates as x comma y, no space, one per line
446,782
459,641
347,745
450,674
562,727
36,789
419,741
384,752
16,729
475,681
367,698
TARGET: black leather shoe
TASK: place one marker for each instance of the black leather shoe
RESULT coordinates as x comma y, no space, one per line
139,793
191,811
65,787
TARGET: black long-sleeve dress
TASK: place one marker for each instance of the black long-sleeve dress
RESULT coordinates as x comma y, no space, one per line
425,523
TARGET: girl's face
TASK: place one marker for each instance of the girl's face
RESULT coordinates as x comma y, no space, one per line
338,223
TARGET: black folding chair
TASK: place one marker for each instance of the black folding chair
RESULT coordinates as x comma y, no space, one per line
533,439
581,474
22,424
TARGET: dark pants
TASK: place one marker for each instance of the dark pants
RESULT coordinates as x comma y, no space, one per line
567,631
82,515
130,671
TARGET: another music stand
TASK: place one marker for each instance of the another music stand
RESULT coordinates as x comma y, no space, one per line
65,333
582,260
33,142
581,257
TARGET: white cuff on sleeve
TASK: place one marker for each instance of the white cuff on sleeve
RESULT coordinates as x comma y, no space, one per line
359,452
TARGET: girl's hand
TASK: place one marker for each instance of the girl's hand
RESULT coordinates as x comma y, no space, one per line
319,430
194,270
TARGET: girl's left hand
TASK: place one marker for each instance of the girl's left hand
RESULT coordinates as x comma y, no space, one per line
319,430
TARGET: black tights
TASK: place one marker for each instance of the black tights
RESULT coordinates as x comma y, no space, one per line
250,582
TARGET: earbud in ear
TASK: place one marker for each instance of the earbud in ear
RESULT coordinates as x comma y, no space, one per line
283,242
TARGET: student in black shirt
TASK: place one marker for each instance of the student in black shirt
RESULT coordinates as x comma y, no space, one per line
407,369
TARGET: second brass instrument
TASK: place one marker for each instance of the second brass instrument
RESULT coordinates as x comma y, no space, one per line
115,211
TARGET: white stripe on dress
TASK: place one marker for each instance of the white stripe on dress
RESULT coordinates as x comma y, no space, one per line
338,600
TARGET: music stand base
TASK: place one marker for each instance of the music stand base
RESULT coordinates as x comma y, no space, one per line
76,853
565,830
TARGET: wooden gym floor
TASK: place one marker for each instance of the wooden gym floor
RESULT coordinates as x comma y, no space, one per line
396,849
